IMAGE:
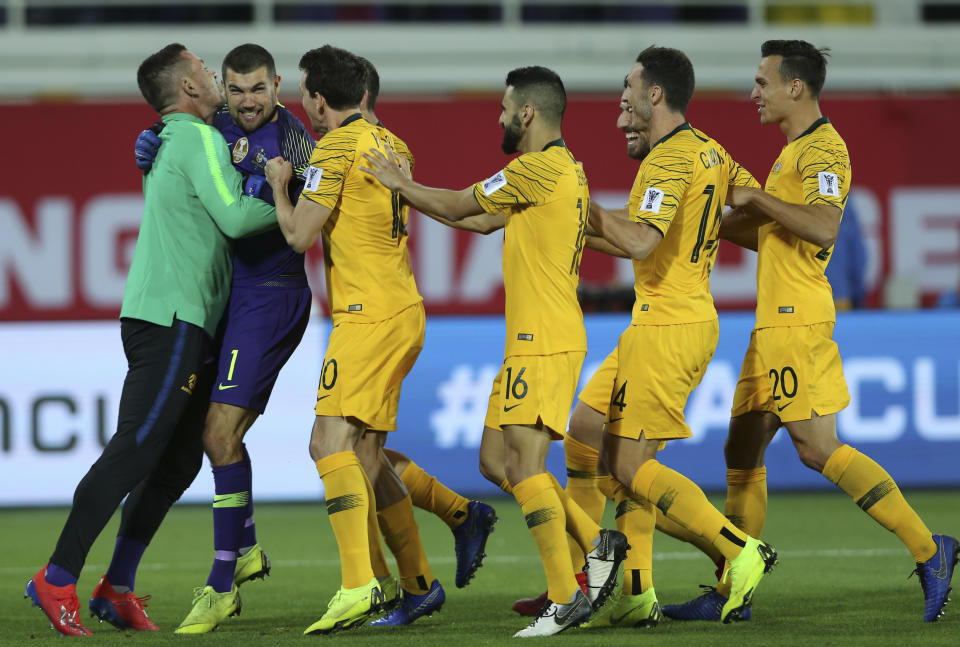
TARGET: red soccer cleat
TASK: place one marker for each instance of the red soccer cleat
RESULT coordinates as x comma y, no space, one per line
532,606
59,603
122,610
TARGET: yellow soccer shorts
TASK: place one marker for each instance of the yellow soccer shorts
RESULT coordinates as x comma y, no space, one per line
597,392
658,368
792,371
364,367
535,389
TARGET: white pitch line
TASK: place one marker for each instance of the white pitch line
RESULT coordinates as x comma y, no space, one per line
831,553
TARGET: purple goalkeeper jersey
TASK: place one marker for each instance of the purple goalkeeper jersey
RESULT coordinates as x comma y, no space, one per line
266,260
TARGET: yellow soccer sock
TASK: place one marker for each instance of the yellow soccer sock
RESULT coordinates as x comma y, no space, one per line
682,500
378,561
546,520
670,527
506,487
636,519
580,526
607,486
429,494
348,506
746,506
403,538
582,487
877,494
582,477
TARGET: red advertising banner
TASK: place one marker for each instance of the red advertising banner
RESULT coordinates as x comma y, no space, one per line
70,200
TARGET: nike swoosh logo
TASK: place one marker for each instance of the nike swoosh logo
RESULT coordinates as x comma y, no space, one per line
426,602
779,408
220,498
224,388
506,408
322,397
562,619
614,420
941,572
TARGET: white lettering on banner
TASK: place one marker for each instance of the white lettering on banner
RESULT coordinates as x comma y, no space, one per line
852,425
435,249
41,261
931,425
709,405
464,397
59,394
925,236
864,202
106,263
482,272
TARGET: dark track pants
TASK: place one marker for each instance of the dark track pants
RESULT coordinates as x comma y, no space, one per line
157,449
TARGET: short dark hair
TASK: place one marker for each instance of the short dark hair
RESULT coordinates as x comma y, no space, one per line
371,82
801,60
542,88
672,71
336,74
157,73
247,58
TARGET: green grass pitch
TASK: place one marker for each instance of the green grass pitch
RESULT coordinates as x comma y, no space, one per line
842,580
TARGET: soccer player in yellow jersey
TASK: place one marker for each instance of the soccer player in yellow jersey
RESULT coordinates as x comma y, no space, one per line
541,200
470,521
669,229
378,327
791,373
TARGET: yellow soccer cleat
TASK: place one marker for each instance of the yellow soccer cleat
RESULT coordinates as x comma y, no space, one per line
755,560
641,610
209,610
254,565
349,608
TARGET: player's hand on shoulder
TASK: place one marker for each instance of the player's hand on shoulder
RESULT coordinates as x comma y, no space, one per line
146,147
279,172
385,168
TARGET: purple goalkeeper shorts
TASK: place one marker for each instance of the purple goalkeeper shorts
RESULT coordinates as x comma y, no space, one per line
260,330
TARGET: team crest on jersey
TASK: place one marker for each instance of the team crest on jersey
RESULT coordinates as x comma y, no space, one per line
260,159
312,177
240,150
495,183
829,184
777,167
652,199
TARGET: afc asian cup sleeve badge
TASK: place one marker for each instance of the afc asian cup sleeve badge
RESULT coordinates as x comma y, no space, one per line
829,184
311,176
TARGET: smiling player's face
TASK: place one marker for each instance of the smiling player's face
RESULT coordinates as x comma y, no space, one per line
251,97
636,111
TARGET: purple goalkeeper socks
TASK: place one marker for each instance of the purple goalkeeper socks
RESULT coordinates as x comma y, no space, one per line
248,537
232,486
126,558
57,576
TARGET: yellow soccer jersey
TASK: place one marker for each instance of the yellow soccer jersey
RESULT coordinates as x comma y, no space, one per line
368,271
680,190
791,287
545,198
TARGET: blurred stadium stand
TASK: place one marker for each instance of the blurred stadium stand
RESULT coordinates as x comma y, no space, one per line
89,47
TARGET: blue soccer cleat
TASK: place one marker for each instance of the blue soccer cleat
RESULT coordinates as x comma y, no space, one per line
935,574
705,607
470,538
412,607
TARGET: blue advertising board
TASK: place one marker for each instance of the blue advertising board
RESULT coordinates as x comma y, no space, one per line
902,370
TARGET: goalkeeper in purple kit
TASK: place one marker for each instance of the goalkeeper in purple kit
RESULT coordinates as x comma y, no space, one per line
264,321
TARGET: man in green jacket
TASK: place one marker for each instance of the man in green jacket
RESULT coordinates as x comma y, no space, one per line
176,291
